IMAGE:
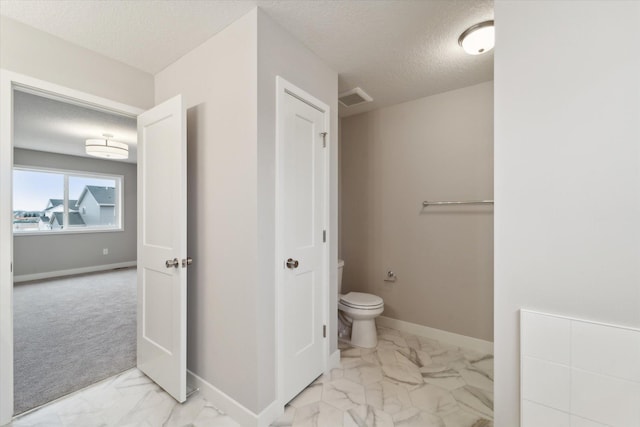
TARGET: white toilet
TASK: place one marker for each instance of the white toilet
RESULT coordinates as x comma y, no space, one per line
359,311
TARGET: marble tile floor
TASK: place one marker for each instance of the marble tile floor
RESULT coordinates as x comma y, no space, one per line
126,400
407,381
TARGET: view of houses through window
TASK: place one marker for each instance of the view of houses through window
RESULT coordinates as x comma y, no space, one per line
48,200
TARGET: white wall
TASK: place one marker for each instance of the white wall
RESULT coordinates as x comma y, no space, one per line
43,254
32,52
567,170
229,88
218,80
438,148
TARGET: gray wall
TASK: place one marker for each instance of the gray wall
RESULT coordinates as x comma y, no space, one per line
229,87
218,81
567,171
28,51
438,148
49,253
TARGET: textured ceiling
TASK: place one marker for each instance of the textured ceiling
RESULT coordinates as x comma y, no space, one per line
45,124
396,50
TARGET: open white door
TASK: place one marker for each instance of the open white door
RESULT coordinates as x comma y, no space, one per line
302,210
162,246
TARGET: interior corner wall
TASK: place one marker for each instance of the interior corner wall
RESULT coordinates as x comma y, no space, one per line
280,54
567,171
28,51
41,254
439,148
219,84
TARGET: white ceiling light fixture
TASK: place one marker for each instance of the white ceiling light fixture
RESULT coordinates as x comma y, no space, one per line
478,39
106,148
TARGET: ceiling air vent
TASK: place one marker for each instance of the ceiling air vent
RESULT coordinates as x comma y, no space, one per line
353,97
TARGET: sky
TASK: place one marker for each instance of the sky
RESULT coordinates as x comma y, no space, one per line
33,189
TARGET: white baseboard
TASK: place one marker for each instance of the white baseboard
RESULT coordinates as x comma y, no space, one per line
464,341
270,414
334,361
233,408
73,271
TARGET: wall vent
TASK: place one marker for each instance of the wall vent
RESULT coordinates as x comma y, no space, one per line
353,97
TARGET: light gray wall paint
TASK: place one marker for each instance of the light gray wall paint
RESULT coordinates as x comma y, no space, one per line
48,253
279,54
219,83
438,148
567,171
229,88
25,50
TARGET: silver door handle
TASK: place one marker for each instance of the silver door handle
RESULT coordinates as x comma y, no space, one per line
187,261
172,263
292,263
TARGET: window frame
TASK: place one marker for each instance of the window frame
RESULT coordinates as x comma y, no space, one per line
67,173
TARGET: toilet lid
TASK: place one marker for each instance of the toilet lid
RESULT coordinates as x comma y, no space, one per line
359,299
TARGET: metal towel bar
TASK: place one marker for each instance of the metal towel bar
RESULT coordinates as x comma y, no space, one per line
468,202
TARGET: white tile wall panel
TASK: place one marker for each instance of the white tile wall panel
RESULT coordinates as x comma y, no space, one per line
536,415
582,422
546,337
606,350
605,399
585,372
546,383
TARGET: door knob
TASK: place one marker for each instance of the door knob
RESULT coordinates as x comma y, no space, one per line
172,263
292,263
187,261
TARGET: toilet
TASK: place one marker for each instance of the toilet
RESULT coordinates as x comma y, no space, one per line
358,311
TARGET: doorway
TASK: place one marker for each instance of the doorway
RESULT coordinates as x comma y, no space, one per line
74,224
172,118
302,185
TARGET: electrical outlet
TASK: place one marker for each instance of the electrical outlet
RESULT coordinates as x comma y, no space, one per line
105,251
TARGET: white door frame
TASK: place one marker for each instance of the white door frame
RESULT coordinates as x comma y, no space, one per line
8,81
283,89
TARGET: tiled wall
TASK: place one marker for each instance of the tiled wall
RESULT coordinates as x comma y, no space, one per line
576,373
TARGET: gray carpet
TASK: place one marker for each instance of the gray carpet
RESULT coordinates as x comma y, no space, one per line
72,332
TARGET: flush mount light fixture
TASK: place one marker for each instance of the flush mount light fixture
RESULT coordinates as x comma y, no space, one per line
106,148
478,38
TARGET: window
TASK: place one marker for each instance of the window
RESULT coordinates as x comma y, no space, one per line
49,201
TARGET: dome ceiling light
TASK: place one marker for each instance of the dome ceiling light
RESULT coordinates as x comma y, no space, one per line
478,39
106,148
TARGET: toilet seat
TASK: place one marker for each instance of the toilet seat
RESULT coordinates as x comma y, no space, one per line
362,301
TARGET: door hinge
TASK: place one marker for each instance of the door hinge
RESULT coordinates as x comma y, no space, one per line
324,139
11,267
324,331
324,236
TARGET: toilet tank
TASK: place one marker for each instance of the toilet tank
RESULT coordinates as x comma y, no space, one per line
340,268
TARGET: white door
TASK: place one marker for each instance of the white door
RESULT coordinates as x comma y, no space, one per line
162,245
302,172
